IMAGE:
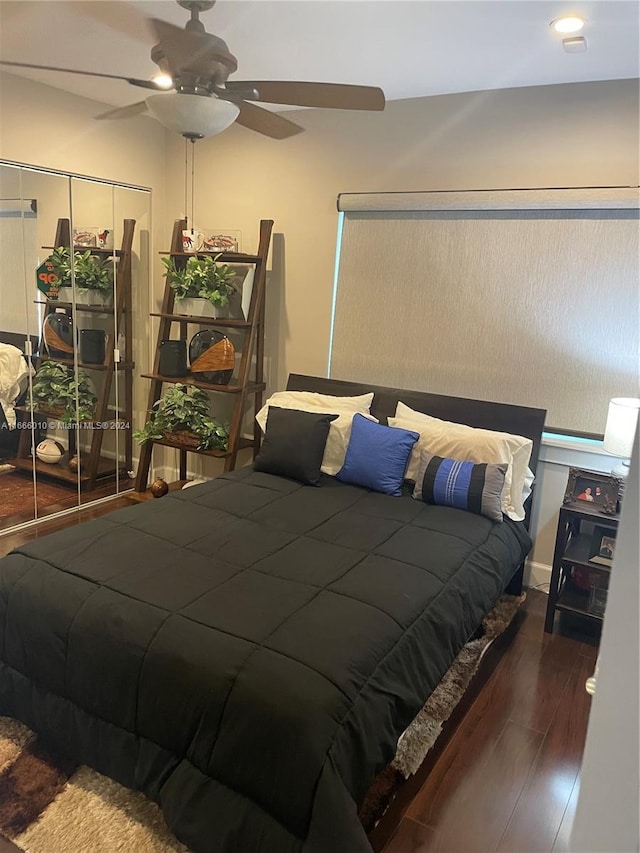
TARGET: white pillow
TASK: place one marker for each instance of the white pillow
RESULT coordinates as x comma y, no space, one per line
458,441
340,430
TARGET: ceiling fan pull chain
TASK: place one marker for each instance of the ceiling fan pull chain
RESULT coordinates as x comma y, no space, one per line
186,167
193,186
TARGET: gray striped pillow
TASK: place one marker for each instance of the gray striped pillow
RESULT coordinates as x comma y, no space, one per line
476,487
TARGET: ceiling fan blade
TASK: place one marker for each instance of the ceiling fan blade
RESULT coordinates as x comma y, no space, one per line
331,95
138,108
145,84
263,121
190,49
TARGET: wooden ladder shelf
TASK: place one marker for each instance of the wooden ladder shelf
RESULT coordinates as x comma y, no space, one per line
117,318
247,386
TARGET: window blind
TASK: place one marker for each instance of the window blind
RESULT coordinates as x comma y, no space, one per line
528,297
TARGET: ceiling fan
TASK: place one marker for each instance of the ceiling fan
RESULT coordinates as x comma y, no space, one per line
196,65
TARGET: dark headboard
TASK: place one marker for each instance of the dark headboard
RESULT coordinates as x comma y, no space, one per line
504,417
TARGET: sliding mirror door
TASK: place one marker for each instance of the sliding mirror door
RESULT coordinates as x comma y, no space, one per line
27,492
75,273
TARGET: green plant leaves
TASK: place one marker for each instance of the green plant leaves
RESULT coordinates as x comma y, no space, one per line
200,277
91,272
185,407
55,386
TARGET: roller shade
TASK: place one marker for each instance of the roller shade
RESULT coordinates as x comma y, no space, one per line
525,297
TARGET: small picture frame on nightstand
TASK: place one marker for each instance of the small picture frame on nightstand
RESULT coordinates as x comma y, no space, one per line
588,489
603,546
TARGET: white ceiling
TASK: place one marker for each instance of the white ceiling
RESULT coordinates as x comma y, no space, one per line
410,48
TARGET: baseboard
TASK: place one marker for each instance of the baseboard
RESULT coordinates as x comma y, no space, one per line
537,576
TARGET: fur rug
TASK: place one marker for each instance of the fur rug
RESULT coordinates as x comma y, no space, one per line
48,805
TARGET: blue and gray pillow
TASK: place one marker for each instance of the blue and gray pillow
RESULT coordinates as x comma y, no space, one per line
476,487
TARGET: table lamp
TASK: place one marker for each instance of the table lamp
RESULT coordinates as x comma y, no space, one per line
620,431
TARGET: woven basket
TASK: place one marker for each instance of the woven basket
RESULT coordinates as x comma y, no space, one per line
52,411
182,437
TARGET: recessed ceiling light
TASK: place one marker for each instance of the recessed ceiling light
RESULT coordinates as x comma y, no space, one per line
568,24
163,80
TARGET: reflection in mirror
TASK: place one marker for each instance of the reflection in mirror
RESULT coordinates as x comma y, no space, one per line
21,499
72,440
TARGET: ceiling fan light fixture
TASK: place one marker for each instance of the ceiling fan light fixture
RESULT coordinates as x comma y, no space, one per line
568,24
164,81
194,116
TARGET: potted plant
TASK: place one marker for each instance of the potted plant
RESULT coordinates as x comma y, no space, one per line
201,279
57,391
183,415
93,275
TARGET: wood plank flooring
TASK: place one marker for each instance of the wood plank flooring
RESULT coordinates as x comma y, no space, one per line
505,780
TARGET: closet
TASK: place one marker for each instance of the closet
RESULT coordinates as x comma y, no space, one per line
100,218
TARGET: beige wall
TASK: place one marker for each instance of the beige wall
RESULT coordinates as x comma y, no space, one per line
43,126
550,136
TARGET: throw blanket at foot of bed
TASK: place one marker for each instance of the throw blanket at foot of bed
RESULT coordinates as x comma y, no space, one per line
248,651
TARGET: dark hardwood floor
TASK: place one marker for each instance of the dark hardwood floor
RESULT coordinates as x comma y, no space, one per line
505,778
11,540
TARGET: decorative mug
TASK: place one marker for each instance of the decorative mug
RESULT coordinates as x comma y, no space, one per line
192,241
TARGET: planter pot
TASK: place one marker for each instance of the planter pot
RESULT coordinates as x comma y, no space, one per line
65,294
97,297
199,307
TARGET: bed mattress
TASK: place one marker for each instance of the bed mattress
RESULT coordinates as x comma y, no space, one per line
247,652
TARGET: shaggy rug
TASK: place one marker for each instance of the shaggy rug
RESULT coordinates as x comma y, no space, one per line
49,805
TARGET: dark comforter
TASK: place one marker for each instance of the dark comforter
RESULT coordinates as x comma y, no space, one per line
246,652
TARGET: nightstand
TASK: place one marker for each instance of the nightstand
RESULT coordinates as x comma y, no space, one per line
581,563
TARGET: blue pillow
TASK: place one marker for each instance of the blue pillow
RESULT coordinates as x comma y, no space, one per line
377,456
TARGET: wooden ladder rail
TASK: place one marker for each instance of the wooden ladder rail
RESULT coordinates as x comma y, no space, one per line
122,307
155,388
253,346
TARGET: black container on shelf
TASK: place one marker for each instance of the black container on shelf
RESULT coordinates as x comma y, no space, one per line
173,358
93,346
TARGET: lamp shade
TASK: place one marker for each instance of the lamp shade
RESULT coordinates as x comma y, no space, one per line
192,115
622,420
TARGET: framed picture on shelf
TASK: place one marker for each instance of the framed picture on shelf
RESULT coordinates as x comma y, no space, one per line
593,490
603,546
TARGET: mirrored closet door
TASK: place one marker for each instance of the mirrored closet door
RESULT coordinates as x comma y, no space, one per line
75,267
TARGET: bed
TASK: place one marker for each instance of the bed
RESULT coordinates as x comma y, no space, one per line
247,651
